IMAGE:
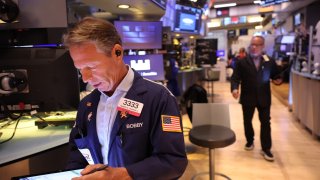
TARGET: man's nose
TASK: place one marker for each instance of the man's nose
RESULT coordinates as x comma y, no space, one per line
86,74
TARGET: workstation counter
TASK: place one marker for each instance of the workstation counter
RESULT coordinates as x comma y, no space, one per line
306,100
32,150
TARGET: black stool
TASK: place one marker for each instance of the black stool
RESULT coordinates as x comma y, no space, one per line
212,136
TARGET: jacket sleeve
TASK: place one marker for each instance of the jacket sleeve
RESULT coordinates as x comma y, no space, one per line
76,159
236,77
168,158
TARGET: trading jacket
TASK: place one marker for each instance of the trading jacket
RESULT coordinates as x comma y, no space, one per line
255,84
137,143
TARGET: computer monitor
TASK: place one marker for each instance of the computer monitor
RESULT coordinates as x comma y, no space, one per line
220,53
232,33
297,19
226,21
206,51
283,47
140,34
41,79
243,31
287,39
187,19
150,66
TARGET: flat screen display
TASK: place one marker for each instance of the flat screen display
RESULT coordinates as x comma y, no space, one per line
64,175
234,20
287,39
243,19
149,66
220,53
51,78
283,47
226,21
222,12
187,19
232,33
271,2
140,34
297,19
243,31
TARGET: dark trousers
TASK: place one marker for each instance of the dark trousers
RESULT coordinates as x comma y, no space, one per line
265,129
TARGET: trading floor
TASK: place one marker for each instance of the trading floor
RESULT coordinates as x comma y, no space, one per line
296,151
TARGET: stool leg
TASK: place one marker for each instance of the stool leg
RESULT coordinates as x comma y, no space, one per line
212,92
211,164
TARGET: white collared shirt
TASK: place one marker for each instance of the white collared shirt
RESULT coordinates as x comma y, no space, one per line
107,111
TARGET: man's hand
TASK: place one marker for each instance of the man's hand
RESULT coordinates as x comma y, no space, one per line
235,93
109,173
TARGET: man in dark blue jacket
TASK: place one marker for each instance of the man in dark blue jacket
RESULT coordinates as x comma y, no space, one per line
254,73
128,127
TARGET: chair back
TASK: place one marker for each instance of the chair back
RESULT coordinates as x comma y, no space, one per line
210,113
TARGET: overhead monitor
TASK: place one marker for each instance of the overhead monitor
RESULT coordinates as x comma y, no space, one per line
297,19
149,66
222,12
45,80
226,21
187,19
140,34
243,19
271,2
232,33
287,39
243,32
234,20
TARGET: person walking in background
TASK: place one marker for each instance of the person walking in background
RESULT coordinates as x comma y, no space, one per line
240,55
253,73
128,127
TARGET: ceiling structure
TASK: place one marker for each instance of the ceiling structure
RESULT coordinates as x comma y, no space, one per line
148,10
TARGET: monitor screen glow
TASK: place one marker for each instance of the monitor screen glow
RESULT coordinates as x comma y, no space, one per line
220,53
287,39
243,19
283,47
140,34
149,66
226,21
297,19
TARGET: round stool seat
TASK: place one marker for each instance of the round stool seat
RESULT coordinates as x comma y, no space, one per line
212,136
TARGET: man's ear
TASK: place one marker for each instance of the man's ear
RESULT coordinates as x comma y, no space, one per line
117,50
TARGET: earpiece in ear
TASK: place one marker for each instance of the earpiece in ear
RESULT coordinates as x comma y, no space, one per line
118,53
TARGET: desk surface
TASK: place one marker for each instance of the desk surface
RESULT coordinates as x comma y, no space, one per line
30,140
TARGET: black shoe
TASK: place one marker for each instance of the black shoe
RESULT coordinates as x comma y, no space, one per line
267,155
249,146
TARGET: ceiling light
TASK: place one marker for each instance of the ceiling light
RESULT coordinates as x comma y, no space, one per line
224,5
123,6
258,27
257,2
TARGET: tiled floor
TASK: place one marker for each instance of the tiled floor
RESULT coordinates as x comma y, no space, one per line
297,153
